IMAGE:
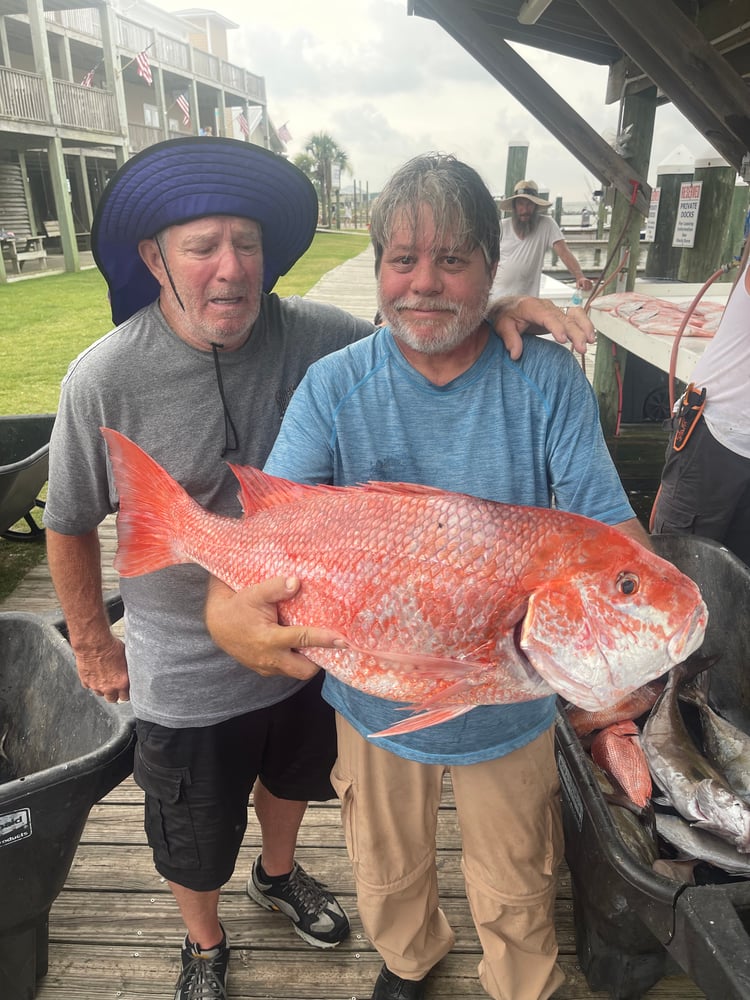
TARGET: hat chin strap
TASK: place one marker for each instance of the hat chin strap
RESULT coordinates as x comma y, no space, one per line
231,440
169,273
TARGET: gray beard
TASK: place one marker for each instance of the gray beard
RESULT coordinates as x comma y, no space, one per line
464,321
525,228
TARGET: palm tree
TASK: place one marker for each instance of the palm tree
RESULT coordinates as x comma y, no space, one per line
322,153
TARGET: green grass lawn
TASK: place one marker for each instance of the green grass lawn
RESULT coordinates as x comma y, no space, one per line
47,321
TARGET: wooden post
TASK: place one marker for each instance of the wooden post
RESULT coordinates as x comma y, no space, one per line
638,110
62,204
515,171
700,261
663,260
732,249
601,221
557,212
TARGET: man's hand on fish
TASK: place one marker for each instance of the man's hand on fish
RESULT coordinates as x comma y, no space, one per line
264,645
513,315
105,672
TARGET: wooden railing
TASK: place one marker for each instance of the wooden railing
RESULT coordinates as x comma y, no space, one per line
22,96
165,50
173,52
84,21
255,86
85,107
591,254
131,35
205,65
142,136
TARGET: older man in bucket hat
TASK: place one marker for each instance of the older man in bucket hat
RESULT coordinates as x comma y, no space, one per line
526,235
191,236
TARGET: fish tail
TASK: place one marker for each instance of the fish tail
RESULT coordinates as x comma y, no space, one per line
148,538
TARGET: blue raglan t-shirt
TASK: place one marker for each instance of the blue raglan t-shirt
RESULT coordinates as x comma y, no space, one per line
522,432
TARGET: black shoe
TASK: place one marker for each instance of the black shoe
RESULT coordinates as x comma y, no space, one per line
389,986
204,973
315,912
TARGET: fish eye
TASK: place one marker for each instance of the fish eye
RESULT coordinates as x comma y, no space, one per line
628,584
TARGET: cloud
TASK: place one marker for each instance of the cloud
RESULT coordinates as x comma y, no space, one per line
387,86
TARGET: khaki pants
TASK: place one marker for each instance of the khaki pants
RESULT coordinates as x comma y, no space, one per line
509,812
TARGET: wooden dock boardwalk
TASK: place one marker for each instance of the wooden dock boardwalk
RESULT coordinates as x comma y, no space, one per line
115,932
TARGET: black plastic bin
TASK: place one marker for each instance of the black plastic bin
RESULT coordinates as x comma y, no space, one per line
61,750
24,463
632,925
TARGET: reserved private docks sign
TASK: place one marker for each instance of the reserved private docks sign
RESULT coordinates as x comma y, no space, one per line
687,214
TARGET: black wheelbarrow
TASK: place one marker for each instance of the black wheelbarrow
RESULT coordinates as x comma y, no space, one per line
24,464
61,750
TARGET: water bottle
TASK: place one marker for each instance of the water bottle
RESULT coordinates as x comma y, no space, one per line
576,298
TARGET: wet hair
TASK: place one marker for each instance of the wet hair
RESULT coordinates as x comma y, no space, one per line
462,207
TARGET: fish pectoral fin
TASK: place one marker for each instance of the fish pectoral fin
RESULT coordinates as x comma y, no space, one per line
423,720
437,667
452,694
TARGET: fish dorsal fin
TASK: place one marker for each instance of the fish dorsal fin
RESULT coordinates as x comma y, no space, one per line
260,491
404,489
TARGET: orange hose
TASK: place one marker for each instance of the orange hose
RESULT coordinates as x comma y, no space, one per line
673,358
685,319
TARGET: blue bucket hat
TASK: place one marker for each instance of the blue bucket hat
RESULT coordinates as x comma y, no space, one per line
183,179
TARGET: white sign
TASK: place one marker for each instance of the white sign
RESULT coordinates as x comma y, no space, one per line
687,214
653,214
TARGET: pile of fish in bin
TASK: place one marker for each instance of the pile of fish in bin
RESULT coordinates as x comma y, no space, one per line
675,774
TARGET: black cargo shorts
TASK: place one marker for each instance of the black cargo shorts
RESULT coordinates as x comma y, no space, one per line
198,780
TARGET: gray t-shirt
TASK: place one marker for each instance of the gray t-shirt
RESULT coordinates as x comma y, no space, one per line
144,381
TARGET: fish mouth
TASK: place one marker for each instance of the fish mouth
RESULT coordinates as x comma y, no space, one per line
689,638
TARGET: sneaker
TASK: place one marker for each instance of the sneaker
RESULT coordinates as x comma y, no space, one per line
204,973
315,912
389,986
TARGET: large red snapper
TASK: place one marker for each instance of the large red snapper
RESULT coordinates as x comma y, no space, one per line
447,601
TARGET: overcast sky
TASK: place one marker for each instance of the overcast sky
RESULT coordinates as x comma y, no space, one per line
387,87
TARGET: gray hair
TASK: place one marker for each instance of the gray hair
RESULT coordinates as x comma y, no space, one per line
462,207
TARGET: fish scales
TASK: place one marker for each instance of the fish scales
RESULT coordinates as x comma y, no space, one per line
384,593
446,601
617,751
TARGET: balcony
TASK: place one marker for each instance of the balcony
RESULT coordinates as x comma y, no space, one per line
23,98
166,52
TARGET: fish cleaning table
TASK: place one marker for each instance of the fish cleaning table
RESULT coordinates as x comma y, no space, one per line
661,307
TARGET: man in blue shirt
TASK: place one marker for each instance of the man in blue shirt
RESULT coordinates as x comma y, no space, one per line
433,397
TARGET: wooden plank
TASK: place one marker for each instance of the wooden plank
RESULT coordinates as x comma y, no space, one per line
92,971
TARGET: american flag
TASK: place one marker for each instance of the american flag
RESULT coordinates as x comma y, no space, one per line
249,121
284,134
184,105
143,67
88,80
